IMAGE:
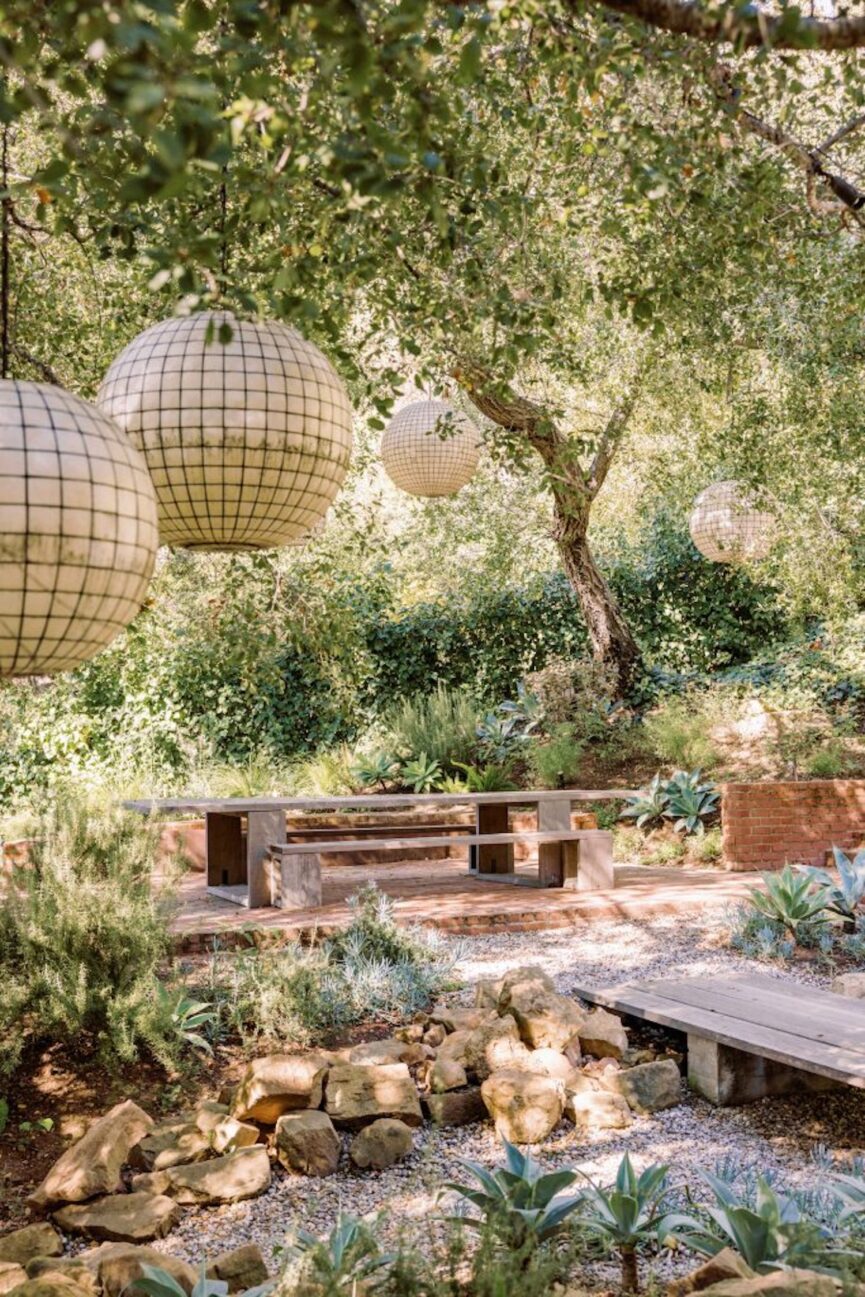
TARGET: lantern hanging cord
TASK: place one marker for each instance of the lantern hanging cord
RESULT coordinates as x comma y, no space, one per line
4,255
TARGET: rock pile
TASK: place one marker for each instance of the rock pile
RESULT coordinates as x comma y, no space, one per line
524,1055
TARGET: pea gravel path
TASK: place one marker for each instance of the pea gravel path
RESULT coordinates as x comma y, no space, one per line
777,1135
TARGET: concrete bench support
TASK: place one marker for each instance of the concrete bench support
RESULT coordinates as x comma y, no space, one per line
299,881
728,1077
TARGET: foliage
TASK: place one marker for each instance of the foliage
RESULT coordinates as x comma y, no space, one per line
648,808
567,688
81,941
376,770
683,798
676,731
421,774
371,969
846,896
191,1020
439,723
516,1198
554,762
156,1282
348,1259
630,1214
791,900
491,778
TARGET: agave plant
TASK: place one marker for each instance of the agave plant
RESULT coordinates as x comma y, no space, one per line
517,1198
689,802
649,807
189,1018
375,770
791,901
850,1189
846,896
769,1233
491,778
630,1214
156,1282
348,1258
421,773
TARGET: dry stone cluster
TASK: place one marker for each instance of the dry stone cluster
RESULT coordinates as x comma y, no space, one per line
523,1055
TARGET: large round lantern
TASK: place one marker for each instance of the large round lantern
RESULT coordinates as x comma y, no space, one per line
247,441
727,527
79,531
430,449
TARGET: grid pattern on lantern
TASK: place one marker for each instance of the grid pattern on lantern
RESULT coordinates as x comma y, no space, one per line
422,461
79,530
726,527
247,442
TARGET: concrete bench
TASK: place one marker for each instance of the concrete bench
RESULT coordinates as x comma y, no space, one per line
295,874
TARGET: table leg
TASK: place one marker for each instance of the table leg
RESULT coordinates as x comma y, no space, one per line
493,859
223,836
262,828
554,816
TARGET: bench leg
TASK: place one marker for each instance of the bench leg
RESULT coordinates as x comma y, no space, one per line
589,863
728,1077
300,881
554,816
494,858
223,836
262,828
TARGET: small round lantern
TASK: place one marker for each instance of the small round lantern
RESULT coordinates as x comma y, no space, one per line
247,441
430,449
727,527
79,534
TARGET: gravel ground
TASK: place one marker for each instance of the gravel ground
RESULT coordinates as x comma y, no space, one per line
777,1135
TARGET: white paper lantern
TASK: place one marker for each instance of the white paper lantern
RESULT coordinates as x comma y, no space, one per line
247,442
727,527
419,459
79,529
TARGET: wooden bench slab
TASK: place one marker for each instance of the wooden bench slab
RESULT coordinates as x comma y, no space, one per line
785,1026
465,838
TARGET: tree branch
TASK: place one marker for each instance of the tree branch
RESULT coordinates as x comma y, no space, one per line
609,440
736,25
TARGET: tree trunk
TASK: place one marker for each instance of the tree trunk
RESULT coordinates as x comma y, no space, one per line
610,636
630,1278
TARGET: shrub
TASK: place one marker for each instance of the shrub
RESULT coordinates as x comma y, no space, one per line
373,968
554,762
81,939
677,732
708,848
440,724
570,688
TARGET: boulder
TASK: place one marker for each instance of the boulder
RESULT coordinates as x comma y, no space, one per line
116,1265
233,1177
307,1143
66,1269
232,1134
453,1018
209,1114
381,1144
454,1046
651,1087
447,1074
603,1035
356,1095
49,1286
171,1145
726,1264
411,1034
546,1062
12,1275
92,1165
22,1245
121,1217
850,984
456,1107
779,1283
597,1110
241,1268
493,1047
525,1108
279,1083
487,992
378,1051
544,1018
527,975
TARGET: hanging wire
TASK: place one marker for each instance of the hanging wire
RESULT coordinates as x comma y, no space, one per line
4,254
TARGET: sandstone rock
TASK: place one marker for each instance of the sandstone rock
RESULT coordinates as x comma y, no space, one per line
411,1034
456,1107
210,1114
779,1283
92,1165
171,1145
232,1134
231,1178
545,1019
381,1144
603,1035
22,1245
525,1108
546,1062
414,1055
241,1268
487,993
447,1074
527,975
850,984
116,1265
454,1046
378,1051
66,1269
12,1276
306,1142
49,1286
650,1087
121,1217
356,1095
150,1182
726,1264
454,1018
492,1047
597,1110
434,1035
279,1083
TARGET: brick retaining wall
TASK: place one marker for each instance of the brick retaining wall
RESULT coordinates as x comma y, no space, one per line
767,825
